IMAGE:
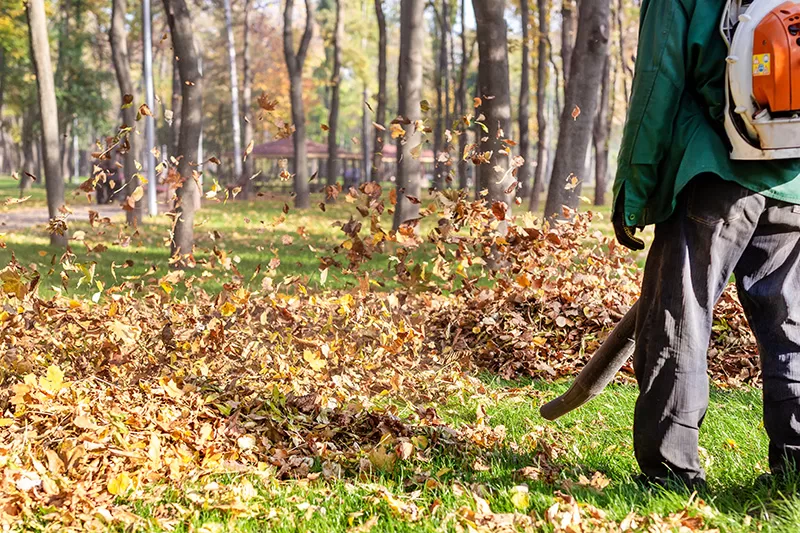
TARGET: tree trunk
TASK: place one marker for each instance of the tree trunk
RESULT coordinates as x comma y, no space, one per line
333,113
294,64
461,99
627,71
495,92
541,105
524,172
447,34
409,91
119,54
442,76
177,114
180,24
40,54
247,102
380,114
601,136
582,87
3,148
237,127
28,152
568,9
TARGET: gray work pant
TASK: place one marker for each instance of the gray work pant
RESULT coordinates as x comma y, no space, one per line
719,228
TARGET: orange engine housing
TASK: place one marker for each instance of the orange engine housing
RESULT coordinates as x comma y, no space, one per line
776,60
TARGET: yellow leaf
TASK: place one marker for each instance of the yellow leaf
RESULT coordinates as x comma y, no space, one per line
520,497
227,309
122,332
397,131
120,484
154,450
137,193
53,381
314,360
12,283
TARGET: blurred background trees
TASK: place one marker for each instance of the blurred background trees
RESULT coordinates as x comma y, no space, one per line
335,73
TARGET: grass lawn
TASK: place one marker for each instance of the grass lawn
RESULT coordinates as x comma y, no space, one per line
590,451
249,233
587,454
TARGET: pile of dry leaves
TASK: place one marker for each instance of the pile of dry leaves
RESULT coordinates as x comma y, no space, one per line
110,398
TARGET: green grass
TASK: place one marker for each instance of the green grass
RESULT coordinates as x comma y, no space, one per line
596,438
250,233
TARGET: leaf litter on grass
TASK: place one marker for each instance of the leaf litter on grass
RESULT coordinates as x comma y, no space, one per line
106,402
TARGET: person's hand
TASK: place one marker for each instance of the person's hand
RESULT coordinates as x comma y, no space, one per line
626,235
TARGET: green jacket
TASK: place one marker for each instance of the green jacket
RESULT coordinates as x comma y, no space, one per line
674,130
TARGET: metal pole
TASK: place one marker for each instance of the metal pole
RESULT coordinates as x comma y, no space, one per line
152,200
237,129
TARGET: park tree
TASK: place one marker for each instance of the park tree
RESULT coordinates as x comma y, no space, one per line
524,172
247,100
494,93
461,95
442,78
236,133
333,113
48,112
580,106
119,53
295,60
380,112
177,108
187,199
409,91
569,12
601,134
542,60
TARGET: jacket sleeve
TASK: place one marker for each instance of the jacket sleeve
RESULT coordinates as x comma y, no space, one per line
658,85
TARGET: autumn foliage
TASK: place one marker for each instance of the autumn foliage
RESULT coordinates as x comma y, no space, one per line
103,403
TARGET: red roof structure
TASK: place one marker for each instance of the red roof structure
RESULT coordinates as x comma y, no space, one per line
284,149
389,153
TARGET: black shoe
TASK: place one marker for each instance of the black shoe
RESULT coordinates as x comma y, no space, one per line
673,483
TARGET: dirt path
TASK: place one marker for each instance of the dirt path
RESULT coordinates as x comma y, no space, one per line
32,217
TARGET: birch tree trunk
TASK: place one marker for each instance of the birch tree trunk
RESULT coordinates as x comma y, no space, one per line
187,201
380,113
119,53
294,64
494,90
524,172
540,174
234,78
40,55
409,91
581,103
333,112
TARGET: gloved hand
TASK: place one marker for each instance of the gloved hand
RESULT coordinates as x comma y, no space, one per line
626,235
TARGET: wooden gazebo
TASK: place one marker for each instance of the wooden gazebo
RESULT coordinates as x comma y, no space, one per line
267,157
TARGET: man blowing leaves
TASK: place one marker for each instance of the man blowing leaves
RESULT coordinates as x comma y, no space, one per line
713,217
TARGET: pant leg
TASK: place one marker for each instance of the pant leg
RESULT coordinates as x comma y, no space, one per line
768,279
689,265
